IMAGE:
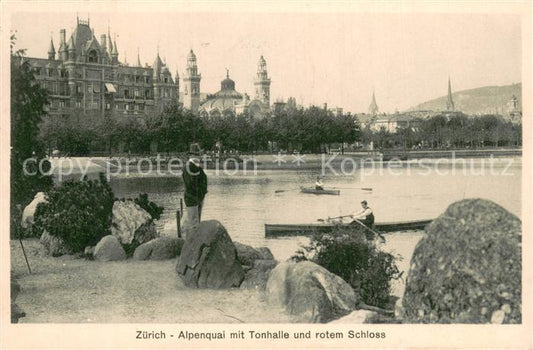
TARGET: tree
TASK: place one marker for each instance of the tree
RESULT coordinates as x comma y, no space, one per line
28,102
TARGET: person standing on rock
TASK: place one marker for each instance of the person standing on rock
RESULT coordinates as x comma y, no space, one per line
195,182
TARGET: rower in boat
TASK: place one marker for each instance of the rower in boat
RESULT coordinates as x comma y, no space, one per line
318,184
364,216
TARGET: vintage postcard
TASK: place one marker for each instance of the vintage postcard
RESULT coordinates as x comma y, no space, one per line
249,174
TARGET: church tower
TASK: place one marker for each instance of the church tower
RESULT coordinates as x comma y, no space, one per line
262,83
373,108
191,83
449,102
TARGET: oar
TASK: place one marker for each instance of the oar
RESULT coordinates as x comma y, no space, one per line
353,188
335,188
371,230
279,191
359,222
335,217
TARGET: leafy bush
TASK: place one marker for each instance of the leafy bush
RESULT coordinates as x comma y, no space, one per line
152,208
347,253
79,212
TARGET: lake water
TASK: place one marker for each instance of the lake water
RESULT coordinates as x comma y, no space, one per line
244,202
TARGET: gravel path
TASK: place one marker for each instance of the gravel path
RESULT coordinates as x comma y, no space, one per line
68,290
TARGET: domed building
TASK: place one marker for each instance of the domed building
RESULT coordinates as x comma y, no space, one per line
227,100
223,101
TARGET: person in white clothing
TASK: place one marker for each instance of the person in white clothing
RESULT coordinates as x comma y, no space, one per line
318,184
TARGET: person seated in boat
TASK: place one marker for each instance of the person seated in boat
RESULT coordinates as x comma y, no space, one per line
365,215
318,185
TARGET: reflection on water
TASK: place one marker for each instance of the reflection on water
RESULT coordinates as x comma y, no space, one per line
244,203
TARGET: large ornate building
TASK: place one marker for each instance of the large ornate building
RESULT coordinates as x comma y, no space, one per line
86,79
227,100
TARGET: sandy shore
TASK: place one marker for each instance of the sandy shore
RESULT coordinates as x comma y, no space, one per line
63,290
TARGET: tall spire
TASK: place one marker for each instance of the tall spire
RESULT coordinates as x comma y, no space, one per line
115,49
373,108
449,102
51,49
262,83
138,58
109,38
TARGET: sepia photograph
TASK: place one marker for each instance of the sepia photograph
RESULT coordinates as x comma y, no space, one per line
248,174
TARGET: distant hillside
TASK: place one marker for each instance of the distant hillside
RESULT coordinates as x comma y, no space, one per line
483,100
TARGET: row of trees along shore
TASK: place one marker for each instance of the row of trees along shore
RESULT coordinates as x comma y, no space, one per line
303,129
440,131
311,130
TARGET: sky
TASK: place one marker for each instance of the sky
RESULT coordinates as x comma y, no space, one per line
315,56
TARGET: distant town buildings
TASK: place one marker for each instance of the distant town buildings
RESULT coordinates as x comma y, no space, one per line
411,119
85,78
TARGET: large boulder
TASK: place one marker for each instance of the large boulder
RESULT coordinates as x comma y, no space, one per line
257,276
209,259
247,254
161,248
265,253
53,246
29,212
109,249
468,268
310,291
131,224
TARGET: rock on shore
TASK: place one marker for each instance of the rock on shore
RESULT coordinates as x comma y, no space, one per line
468,268
109,249
209,259
161,248
53,246
131,223
310,291
247,254
257,276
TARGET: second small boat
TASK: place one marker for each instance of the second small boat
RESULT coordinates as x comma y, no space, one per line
315,191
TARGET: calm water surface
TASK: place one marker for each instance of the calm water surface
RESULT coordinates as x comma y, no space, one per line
243,203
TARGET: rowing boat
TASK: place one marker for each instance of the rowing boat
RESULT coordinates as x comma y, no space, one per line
315,191
279,230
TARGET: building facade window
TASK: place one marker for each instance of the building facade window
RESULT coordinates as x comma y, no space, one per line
93,56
